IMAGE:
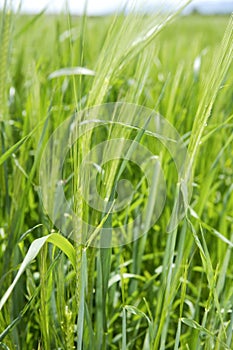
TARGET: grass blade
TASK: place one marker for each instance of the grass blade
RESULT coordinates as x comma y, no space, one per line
56,239
70,71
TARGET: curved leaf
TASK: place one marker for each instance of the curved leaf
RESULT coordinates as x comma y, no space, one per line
71,71
34,249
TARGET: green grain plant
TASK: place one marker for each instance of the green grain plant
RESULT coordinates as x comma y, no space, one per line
163,290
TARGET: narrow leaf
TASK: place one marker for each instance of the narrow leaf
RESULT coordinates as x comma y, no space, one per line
56,239
71,71
11,150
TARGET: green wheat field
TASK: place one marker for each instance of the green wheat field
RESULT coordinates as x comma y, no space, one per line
167,289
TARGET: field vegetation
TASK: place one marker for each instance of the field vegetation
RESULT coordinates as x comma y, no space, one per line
164,290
